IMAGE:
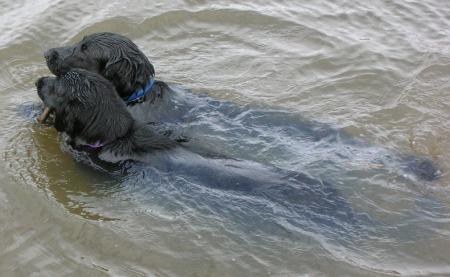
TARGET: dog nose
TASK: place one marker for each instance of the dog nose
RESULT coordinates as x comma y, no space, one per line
50,54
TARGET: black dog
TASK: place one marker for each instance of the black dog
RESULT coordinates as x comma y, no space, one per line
119,60
88,109
113,56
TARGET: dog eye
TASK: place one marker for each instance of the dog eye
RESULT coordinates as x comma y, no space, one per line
83,47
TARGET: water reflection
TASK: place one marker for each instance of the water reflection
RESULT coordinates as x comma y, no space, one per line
70,183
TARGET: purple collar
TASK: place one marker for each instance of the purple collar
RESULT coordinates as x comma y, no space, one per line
96,145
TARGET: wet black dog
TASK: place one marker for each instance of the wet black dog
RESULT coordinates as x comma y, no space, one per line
113,56
119,60
88,109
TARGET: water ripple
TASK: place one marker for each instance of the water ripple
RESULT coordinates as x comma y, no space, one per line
306,78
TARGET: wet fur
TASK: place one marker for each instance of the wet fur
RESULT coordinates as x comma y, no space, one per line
113,56
88,109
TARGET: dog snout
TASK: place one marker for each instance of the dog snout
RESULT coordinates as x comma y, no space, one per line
51,54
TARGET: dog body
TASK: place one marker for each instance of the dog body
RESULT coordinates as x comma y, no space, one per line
119,60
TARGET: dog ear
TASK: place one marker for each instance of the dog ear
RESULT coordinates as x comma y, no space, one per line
64,122
127,71
119,71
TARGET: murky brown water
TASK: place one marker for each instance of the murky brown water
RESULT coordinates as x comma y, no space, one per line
379,70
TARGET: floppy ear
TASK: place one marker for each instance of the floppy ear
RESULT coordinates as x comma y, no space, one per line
64,122
128,71
120,72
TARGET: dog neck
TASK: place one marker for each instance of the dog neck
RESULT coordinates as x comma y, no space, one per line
139,94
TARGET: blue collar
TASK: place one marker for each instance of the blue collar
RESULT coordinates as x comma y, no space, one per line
140,93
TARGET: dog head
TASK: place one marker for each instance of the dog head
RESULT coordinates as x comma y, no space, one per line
86,105
49,95
113,56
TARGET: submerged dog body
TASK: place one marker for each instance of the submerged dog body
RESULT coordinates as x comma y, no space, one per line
90,112
88,109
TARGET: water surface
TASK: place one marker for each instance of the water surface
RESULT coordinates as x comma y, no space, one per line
374,70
